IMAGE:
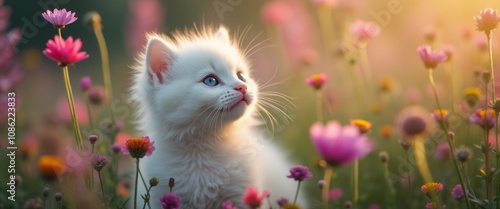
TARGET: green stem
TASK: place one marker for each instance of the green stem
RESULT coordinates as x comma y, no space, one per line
142,178
59,32
356,181
450,143
105,67
466,177
410,185
388,180
136,180
91,174
492,71
326,186
69,94
147,197
296,193
102,187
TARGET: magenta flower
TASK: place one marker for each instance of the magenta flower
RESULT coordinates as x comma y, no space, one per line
85,83
339,145
317,80
170,201
364,31
442,151
98,161
253,199
335,194
228,205
484,118
457,192
488,20
65,52
430,58
138,147
299,173
59,18
282,202
275,13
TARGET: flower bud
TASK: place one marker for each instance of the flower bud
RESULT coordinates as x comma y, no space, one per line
463,154
85,83
154,181
93,20
171,183
58,196
93,139
384,157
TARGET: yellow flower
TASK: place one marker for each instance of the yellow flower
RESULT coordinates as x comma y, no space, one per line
363,125
472,96
50,167
432,189
385,84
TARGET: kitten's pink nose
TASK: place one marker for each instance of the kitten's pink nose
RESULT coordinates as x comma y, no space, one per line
241,88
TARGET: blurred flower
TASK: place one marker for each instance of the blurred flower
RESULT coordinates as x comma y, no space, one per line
383,156
430,58
492,140
407,179
321,183
339,145
228,205
481,43
484,118
116,148
376,107
449,51
170,201
463,154
373,206
405,143
46,191
317,80
364,31
59,18
98,161
138,147
50,167
335,194
253,199
58,196
85,83
385,84
386,131
34,203
123,188
432,189
93,139
145,16
431,205
97,95
121,138
430,33
29,146
442,151
413,96
457,192
472,96
119,125
440,115
282,202
275,13
363,125
65,52
80,110
299,173
325,3
291,206
467,32
414,121
347,204
487,20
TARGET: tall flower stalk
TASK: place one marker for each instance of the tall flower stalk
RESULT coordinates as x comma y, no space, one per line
431,59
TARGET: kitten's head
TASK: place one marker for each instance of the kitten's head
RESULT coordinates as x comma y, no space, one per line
194,80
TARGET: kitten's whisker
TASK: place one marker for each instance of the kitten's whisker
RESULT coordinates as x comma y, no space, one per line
282,96
251,42
269,104
201,114
272,119
257,50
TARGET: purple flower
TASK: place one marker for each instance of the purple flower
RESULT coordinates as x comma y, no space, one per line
457,192
98,161
299,173
59,18
170,201
442,151
339,145
481,116
282,202
335,194
430,58
228,205
85,83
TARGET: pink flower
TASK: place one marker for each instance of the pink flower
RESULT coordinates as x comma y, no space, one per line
442,151
335,194
364,31
484,118
59,18
317,80
325,3
65,52
228,205
138,147
457,192
170,201
275,13
80,110
430,58
488,20
253,199
339,145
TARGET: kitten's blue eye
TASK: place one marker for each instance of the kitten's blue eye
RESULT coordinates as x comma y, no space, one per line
241,76
210,81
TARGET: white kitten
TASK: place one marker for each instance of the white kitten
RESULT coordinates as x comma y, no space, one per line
197,102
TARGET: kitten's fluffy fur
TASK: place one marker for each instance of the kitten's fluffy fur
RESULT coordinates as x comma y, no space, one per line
205,136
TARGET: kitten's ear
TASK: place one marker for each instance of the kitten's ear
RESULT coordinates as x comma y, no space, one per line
222,35
159,57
